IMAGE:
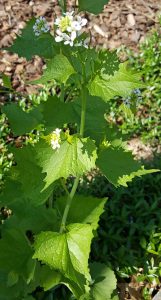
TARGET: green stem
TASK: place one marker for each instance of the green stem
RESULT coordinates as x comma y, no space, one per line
76,181
63,5
64,186
69,202
83,113
62,93
50,296
50,200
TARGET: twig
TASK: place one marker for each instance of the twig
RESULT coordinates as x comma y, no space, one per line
138,12
147,6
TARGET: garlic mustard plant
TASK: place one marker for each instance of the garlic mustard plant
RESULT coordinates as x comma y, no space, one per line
51,233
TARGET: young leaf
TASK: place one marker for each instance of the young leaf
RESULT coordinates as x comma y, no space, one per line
120,84
67,252
22,122
58,68
92,6
104,282
27,45
83,209
119,166
75,157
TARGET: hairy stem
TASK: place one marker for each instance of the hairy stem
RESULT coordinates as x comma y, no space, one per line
76,181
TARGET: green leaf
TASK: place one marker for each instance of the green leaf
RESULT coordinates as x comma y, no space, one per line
121,84
18,291
12,278
7,293
92,6
104,282
6,81
49,278
95,123
28,298
108,62
29,218
27,45
10,193
32,180
15,258
83,209
119,166
58,68
67,252
25,180
127,178
22,122
72,158
56,113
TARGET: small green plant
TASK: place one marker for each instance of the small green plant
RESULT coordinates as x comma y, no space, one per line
51,238
146,122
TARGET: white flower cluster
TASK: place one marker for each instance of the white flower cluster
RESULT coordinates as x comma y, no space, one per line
41,26
69,28
55,139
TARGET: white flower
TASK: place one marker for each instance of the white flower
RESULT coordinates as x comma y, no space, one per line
55,139
40,26
69,28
